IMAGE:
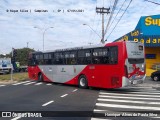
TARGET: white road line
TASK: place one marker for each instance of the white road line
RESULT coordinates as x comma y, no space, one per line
64,95
29,83
48,103
49,84
38,83
75,90
2,85
142,98
21,83
148,93
128,94
16,118
129,101
140,87
127,106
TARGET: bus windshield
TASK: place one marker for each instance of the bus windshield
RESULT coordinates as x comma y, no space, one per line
135,52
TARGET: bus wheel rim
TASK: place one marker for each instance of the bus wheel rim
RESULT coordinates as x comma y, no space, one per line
82,81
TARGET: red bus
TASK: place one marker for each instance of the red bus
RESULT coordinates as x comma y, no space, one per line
113,65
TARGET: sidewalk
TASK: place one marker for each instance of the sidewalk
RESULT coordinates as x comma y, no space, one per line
7,82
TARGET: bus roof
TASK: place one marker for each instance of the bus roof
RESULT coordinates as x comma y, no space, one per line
82,47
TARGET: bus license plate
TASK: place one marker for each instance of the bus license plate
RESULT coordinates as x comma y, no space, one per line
134,82
137,81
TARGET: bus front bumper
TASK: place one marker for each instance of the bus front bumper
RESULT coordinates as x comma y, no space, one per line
127,82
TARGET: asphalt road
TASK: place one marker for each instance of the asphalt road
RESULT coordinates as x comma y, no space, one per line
63,101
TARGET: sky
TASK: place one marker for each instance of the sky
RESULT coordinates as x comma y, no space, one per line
59,23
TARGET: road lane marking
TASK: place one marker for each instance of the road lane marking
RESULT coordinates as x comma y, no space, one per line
148,93
75,90
2,85
38,83
127,106
128,94
128,101
142,98
20,83
64,95
49,84
29,83
48,103
16,118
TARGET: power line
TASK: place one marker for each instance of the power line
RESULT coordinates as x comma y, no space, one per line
97,26
153,2
119,19
117,14
112,12
91,32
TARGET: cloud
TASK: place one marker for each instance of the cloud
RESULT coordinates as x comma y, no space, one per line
18,28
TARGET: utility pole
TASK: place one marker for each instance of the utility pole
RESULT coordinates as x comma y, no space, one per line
102,11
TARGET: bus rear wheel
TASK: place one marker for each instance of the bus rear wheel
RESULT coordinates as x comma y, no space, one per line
40,77
82,81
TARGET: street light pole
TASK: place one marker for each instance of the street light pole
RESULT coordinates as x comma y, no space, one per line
43,33
92,29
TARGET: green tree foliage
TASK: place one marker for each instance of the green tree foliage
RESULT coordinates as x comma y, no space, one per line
5,56
22,55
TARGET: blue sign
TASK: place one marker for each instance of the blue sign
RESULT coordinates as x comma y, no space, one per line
147,31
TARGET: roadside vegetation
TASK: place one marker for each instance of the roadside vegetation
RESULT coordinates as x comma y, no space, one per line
16,77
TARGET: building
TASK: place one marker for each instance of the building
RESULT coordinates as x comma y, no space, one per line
147,31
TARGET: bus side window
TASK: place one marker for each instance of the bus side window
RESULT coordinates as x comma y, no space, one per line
97,56
106,55
84,57
58,58
72,57
114,55
47,59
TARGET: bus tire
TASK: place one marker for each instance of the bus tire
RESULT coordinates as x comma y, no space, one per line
82,81
40,77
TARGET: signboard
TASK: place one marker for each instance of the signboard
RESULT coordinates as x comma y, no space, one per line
5,62
147,31
149,25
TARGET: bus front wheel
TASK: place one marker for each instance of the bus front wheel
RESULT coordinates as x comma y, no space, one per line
82,81
40,77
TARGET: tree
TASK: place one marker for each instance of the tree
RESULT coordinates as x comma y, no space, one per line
22,55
